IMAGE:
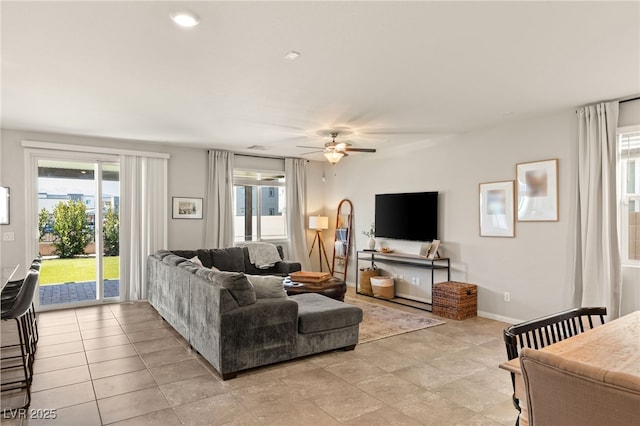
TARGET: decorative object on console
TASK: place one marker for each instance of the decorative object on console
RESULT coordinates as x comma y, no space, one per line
496,209
433,250
537,191
371,233
187,208
318,223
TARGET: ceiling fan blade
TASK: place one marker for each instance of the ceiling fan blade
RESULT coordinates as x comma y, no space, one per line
360,149
389,131
312,152
310,147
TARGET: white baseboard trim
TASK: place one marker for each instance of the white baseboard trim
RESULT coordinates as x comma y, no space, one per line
499,317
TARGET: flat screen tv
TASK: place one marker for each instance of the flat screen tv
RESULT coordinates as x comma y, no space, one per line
409,216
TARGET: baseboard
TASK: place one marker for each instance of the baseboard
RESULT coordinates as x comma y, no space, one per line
501,318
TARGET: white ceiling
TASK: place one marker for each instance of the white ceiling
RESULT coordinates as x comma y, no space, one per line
392,72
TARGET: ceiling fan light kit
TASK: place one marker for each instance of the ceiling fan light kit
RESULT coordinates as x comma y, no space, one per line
334,151
334,156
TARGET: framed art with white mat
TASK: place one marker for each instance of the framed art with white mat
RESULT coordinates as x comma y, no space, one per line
497,209
537,198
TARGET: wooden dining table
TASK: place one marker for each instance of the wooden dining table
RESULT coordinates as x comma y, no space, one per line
613,346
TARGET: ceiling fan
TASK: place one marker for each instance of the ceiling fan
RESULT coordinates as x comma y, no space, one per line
334,151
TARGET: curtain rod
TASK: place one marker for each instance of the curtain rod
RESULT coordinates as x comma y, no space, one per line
630,99
262,156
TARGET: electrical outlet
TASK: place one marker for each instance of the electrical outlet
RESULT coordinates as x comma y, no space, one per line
507,296
8,236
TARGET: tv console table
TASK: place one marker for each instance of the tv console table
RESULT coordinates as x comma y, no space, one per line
436,264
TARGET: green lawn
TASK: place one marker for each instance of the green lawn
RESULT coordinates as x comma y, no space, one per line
60,271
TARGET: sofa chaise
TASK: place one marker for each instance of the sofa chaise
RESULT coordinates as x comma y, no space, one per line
237,320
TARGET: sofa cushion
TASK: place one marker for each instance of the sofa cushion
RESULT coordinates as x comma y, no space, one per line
173,259
205,257
188,265
267,286
161,254
228,259
320,313
235,282
196,260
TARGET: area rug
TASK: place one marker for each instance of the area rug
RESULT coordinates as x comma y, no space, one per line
381,321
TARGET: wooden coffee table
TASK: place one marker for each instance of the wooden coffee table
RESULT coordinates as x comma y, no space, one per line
333,287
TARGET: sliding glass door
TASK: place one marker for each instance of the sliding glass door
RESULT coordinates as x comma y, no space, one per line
78,215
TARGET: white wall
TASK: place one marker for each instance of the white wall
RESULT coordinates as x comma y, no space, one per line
187,168
534,266
187,178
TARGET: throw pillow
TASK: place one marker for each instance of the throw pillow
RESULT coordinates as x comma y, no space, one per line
267,286
235,282
196,260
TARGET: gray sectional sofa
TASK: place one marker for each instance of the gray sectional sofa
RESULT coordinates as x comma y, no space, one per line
238,321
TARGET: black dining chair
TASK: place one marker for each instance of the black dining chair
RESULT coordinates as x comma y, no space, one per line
545,331
18,311
10,291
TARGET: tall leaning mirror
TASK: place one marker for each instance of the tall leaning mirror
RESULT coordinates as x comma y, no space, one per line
4,205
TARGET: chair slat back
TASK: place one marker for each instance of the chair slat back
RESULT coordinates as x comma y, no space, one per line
551,329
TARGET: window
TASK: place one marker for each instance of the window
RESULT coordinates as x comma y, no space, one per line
629,180
259,206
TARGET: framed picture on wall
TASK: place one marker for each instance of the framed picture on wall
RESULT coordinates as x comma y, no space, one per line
4,205
497,209
187,208
537,191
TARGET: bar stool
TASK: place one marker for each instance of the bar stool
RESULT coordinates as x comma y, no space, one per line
11,290
18,311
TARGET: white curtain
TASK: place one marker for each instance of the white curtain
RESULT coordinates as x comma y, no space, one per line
219,219
143,219
296,185
597,269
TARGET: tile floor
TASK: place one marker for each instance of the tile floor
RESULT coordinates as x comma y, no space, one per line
120,364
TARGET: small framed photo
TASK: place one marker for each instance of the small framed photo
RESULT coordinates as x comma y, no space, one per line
187,208
497,209
537,191
433,249
424,249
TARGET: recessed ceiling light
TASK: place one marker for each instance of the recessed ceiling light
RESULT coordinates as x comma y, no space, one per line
292,55
185,19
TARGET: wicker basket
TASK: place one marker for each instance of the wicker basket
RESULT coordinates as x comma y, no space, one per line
383,287
455,300
365,280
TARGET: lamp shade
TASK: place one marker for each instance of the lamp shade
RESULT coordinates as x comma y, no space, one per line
318,222
334,156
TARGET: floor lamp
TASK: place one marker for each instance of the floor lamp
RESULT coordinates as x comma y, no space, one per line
318,223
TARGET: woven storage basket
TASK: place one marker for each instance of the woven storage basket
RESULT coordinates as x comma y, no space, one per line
365,280
455,300
383,287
